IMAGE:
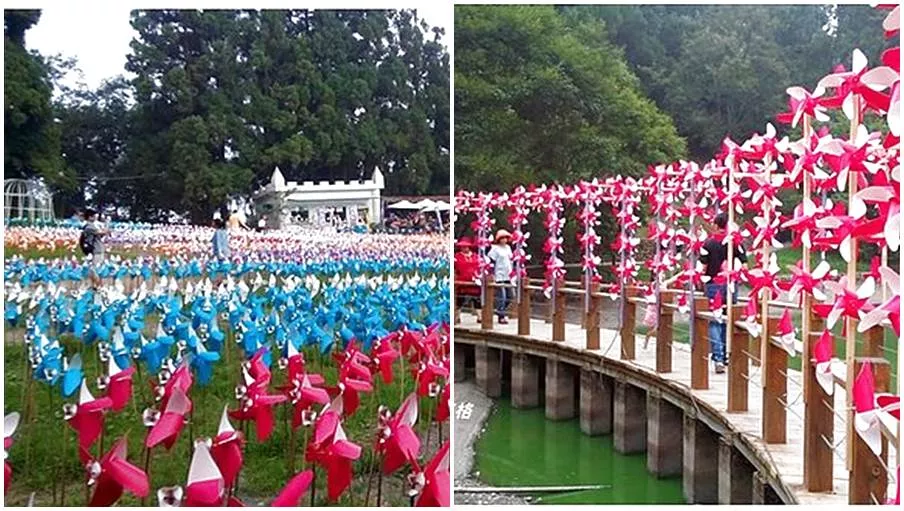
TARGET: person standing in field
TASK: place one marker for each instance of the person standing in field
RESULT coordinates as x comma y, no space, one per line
235,221
91,243
466,268
500,255
713,256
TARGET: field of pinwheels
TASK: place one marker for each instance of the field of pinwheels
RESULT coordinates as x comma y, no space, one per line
312,368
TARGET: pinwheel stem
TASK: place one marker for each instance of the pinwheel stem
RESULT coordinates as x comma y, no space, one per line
379,487
292,451
147,470
429,419
313,484
62,465
375,463
50,395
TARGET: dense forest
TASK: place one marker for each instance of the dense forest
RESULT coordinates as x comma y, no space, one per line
547,93
216,99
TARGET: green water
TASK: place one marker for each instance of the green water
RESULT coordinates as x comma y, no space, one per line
522,448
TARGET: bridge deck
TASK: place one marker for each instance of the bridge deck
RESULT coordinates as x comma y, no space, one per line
787,458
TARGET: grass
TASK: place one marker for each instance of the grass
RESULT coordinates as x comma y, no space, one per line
44,459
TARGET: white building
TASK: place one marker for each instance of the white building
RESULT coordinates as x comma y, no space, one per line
341,203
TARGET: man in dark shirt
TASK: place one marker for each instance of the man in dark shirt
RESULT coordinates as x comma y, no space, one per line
714,258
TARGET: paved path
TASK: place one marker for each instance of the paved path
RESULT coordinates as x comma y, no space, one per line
787,457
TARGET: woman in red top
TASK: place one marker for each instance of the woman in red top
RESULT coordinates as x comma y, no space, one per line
466,268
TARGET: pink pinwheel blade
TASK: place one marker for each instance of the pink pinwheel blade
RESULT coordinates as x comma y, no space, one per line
119,389
864,389
228,457
128,476
338,477
291,494
204,494
166,430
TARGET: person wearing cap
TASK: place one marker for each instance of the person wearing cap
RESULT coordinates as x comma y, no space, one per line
466,268
500,255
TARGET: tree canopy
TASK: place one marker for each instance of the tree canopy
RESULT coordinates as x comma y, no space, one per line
221,97
541,97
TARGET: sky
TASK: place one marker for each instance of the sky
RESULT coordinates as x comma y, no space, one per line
101,48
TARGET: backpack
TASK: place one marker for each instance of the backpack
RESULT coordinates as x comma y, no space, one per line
86,242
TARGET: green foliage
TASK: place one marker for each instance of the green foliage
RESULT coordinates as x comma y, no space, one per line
545,98
723,70
32,139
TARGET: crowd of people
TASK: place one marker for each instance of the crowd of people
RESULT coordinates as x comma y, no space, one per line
411,223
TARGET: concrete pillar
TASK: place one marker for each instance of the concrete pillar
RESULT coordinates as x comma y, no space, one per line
629,418
596,403
735,475
701,463
665,438
488,370
525,381
559,390
459,356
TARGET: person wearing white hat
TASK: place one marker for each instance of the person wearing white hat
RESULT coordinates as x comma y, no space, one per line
501,256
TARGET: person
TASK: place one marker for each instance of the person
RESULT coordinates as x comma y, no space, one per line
500,255
220,240
235,221
716,252
92,244
466,268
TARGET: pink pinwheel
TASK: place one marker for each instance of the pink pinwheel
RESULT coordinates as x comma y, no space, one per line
443,410
860,81
118,383
433,484
179,377
205,487
761,278
890,309
866,419
845,229
806,281
749,321
848,303
351,382
10,423
801,102
291,494
226,450
715,306
87,417
303,396
396,439
429,374
113,474
888,196
166,426
803,223
384,356
826,364
256,405
844,156
257,369
892,23
787,337
331,449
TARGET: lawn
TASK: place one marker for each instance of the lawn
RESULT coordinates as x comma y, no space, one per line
44,459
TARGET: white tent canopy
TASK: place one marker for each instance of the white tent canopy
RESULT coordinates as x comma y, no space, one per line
405,204
438,206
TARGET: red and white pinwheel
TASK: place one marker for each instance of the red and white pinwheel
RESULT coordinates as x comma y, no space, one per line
806,281
113,474
205,487
118,383
786,336
860,81
848,303
433,482
10,423
866,418
800,102
226,450
166,426
87,417
331,449
384,356
827,366
255,404
890,309
290,495
397,439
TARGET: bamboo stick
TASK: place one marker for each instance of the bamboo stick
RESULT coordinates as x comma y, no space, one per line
851,325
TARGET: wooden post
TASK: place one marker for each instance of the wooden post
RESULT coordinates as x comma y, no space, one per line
806,304
738,368
868,476
700,348
775,390
558,315
754,348
486,310
874,342
524,309
593,318
627,327
456,317
819,422
664,335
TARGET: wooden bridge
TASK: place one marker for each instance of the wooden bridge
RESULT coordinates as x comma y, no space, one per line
783,413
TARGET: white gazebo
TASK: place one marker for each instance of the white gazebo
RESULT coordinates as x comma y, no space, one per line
319,203
27,199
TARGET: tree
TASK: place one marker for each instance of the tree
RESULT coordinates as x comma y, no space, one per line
32,139
541,97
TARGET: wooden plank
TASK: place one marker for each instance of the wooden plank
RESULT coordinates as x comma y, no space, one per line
627,330
819,430
874,342
524,310
738,369
775,389
700,354
558,315
486,312
664,341
868,478
593,319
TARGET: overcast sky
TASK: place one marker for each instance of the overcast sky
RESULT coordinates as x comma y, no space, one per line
99,38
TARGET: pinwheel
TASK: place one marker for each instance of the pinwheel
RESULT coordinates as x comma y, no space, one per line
72,375
118,383
866,419
860,81
113,474
303,396
205,487
750,321
890,309
786,336
165,427
331,449
800,102
847,303
384,356
291,494
805,281
87,417
432,485
886,194
396,439
827,367
10,424
226,450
